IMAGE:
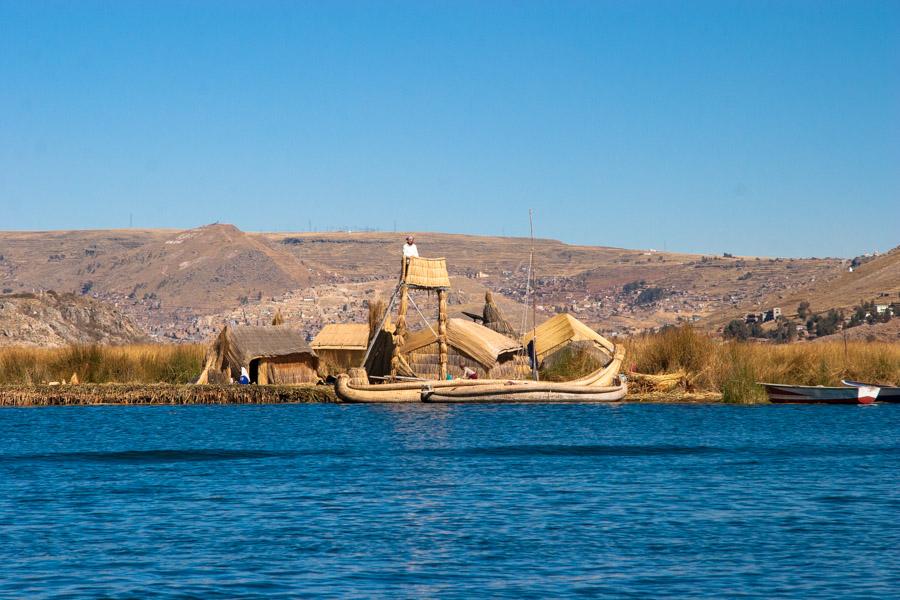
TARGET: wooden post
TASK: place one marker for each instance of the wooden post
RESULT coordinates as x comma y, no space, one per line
442,331
400,330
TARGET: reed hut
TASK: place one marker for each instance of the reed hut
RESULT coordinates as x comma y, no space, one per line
490,354
271,355
341,346
559,331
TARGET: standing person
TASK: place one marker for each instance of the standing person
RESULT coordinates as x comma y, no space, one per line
409,248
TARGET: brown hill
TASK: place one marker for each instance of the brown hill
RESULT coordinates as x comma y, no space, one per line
51,319
60,260
167,279
204,269
876,279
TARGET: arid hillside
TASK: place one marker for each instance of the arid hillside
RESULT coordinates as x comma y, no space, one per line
183,284
875,278
163,278
203,269
49,319
587,280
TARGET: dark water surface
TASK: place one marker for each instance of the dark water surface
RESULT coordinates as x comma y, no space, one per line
464,501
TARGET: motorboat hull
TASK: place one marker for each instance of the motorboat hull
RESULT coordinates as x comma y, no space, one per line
804,394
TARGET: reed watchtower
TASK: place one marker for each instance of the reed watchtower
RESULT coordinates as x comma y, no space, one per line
422,274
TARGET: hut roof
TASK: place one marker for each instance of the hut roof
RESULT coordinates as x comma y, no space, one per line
342,336
562,329
430,273
468,337
245,343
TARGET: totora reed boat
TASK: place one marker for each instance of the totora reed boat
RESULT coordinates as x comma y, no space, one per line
603,385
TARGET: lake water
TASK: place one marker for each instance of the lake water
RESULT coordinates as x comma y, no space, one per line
453,501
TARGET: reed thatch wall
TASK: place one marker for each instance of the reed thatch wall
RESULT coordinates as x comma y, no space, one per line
425,362
334,361
341,346
285,370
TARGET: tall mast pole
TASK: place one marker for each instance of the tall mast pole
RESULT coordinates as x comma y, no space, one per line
400,330
534,366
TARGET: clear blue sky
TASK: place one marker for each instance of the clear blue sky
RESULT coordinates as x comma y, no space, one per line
750,127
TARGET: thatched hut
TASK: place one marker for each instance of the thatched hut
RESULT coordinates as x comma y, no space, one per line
341,346
271,355
560,331
490,354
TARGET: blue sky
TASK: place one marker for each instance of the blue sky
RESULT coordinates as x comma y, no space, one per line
752,127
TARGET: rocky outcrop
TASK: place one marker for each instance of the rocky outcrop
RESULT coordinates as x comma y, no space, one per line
49,319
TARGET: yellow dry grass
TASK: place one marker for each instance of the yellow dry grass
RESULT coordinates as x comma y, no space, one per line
145,363
733,368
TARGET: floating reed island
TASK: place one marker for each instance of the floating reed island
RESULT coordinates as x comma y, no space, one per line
482,358
682,365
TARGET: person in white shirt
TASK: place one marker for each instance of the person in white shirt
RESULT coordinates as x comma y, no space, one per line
409,248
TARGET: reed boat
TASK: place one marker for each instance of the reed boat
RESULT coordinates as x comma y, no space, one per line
808,394
889,394
517,391
602,385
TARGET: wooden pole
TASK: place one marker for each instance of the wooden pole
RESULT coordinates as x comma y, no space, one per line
442,331
534,366
400,330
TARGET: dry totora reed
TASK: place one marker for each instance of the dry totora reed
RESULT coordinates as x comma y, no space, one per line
145,363
86,394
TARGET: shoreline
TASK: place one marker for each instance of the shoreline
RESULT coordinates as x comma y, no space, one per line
123,394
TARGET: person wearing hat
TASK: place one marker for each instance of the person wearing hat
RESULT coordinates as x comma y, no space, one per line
409,248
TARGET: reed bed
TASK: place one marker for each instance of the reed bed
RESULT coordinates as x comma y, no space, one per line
160,393
569,363
734,368
144,364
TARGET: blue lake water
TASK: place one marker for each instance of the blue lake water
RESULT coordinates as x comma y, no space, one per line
461,501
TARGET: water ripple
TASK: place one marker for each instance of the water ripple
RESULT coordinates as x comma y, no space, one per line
477,501
575,450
